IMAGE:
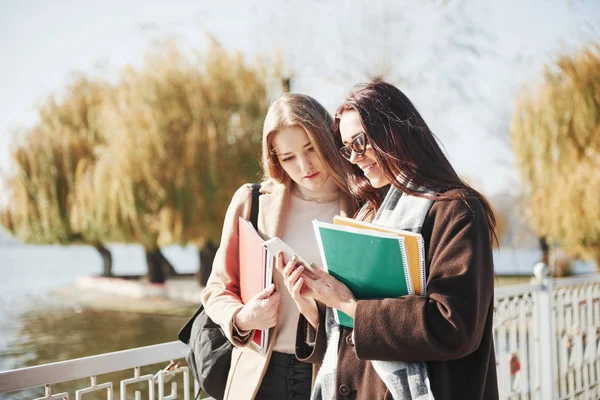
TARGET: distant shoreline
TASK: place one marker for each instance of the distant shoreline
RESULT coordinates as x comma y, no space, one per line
179,296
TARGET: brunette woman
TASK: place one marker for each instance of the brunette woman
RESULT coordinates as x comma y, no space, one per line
439,345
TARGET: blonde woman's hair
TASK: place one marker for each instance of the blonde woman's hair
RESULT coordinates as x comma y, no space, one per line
293,109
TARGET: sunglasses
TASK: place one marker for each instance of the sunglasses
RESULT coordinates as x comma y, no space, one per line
358,145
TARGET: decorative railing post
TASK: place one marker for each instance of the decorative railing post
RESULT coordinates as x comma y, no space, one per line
545,324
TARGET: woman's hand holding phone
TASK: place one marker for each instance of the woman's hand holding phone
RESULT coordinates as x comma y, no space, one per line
294,282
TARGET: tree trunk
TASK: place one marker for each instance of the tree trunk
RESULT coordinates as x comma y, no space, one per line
545,251
596,257
158,266
207,255
106,259
286,84
167,267
154,261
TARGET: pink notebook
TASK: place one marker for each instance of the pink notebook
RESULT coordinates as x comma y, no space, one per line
256,273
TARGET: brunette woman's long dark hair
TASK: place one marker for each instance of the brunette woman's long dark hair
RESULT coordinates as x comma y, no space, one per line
403,144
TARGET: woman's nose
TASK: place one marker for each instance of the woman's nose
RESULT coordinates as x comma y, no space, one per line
354,157
305,164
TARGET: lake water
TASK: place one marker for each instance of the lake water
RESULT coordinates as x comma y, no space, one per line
38,328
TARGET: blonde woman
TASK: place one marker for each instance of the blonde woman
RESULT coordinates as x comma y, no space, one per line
298,186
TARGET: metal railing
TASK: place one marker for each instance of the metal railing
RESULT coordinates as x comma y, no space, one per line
546,338
89,367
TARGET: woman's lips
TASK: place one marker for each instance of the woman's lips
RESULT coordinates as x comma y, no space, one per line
368,168
312,176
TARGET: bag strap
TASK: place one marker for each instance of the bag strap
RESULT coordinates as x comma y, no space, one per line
185,332
254,205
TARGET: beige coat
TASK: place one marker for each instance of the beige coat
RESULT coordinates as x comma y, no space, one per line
221,295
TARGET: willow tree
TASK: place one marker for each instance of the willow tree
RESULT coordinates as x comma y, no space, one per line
45,161
556,136
181,133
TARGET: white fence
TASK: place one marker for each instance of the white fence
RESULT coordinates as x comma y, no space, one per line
547,342
90,367
547,338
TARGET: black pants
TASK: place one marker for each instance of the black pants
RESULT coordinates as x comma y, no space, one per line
286,378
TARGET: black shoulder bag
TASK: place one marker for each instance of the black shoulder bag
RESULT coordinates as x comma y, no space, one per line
209,357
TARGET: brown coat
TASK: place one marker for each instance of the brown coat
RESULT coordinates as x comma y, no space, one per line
450,328
221,295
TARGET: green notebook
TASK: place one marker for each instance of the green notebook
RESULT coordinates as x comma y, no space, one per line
372,264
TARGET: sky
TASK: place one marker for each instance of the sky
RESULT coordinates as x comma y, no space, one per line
461,62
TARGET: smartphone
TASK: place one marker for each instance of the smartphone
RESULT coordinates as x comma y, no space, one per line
277,245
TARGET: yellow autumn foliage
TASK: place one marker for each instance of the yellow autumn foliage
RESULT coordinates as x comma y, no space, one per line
153,158
556,137
182,134
41,190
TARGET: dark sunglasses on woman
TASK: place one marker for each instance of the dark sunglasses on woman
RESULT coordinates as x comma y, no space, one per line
358,145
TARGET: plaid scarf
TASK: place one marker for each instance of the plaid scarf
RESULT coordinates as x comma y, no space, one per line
405,381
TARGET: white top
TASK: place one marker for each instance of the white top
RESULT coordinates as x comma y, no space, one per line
299,234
